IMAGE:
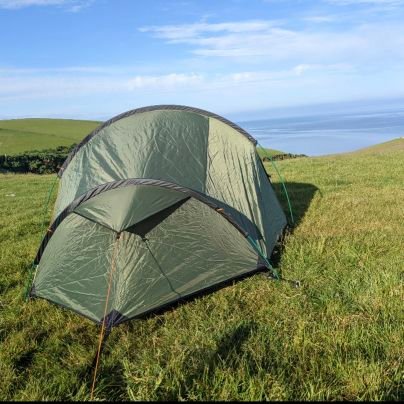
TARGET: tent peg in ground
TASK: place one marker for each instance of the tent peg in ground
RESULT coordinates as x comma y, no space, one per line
296,284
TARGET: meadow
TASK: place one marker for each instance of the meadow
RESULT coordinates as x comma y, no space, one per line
337,337
21,135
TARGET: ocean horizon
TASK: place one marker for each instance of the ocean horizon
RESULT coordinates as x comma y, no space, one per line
322,134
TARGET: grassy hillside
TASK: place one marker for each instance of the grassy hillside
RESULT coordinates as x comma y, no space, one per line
383,148
20,135
337,337
265,152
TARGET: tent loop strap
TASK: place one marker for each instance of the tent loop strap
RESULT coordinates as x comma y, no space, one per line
103,332
32,270
274,273
294,283
282,181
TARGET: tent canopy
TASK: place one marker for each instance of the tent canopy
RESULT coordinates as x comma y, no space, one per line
156,205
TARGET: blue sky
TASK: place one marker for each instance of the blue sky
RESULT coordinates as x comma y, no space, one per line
97,58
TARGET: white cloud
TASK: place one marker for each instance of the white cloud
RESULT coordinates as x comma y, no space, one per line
70,5
74,81
320,18
189,32
167,81
258,40
41,71
76,91
343,68
27,3
23,83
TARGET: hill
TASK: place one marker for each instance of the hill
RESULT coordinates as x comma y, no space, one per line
264,152
21,135
381,148
338,337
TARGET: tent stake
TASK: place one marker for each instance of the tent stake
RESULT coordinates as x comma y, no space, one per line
294,283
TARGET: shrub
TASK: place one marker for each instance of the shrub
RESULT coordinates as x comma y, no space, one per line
283,156
36,161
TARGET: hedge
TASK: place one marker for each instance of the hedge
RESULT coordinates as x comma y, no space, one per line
49,161
36,161
283,156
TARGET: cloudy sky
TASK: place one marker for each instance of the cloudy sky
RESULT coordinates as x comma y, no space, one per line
97,58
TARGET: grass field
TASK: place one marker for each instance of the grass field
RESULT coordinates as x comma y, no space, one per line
21,135
338,337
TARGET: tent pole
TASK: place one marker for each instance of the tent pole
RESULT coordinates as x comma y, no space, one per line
102,332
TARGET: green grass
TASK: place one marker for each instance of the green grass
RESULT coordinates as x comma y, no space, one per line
21,135
382,148
338,337
265,152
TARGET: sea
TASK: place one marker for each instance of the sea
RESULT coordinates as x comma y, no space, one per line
327,133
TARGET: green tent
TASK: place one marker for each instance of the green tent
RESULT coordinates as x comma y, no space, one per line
156,205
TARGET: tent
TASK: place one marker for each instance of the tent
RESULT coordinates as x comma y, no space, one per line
156,205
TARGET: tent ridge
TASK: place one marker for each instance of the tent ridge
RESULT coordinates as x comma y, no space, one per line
164,107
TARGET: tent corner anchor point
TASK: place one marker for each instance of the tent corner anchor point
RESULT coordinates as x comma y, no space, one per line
295,283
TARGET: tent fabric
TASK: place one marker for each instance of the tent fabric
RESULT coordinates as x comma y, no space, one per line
186,146
152,196
165,195
165,262
147,109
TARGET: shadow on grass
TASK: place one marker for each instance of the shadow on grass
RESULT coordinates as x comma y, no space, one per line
300,195
200,365
229,347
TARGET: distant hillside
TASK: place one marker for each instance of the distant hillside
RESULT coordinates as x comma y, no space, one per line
20,135
263,152
386,147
